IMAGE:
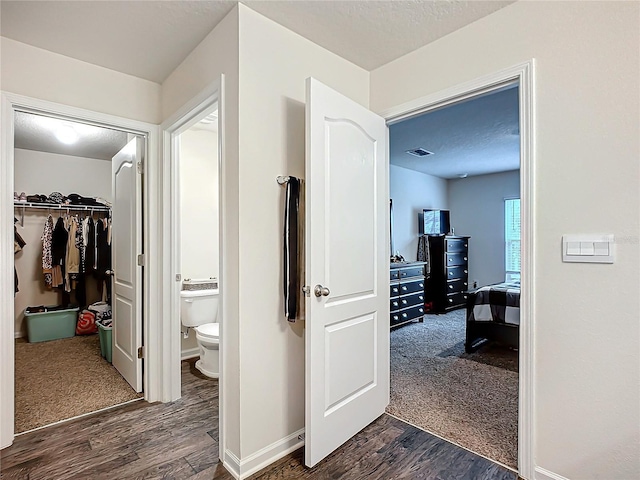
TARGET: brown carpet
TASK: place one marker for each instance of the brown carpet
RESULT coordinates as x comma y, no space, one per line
469,399
65,378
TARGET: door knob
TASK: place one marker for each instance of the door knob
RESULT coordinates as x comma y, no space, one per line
321,291
110,272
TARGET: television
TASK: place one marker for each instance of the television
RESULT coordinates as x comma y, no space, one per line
434,222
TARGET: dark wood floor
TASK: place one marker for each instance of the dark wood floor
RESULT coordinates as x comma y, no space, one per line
179,441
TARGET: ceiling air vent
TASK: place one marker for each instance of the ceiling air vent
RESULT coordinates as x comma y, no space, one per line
419,152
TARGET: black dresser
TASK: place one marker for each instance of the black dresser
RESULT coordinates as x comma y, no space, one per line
407,292
448,282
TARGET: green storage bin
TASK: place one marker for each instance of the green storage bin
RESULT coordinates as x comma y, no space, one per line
106,339
45,326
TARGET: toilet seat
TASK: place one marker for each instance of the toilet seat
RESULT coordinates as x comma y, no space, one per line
209,331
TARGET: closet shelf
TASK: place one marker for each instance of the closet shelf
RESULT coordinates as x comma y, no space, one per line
59,206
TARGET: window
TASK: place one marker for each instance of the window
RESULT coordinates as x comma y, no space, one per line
512,239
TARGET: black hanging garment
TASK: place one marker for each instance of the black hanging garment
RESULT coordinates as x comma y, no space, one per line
59,240
423,253
18,245
291,286
90,250
103,260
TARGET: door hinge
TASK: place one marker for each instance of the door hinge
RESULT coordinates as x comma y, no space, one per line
141,260
140,168
306,290
140,352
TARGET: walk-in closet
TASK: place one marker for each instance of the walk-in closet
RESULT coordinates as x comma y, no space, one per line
66,222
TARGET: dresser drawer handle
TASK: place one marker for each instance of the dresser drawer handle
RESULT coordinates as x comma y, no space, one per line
404,289
395,290
465,259
404,302
451,287
395,317
465,296
404,315
466,271
420,310
465,245
403,274
451,274
465,284
395,304
421,297
421,285
451,300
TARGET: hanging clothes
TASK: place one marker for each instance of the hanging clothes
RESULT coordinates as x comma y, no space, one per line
72,257
47,262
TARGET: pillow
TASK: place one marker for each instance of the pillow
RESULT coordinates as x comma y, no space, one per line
86,324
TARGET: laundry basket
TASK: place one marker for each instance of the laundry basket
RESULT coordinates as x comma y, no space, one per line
106,339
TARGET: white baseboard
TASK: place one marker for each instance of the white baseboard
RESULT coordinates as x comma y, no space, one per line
190,353
543,474
255,462
232,464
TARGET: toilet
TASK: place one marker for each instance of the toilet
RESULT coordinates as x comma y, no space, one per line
199,310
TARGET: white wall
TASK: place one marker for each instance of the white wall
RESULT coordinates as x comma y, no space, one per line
411,192
587,355
274,63
41,172
38,73
199,250
199,204
477,209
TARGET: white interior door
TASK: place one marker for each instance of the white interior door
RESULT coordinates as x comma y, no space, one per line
126,244
347,311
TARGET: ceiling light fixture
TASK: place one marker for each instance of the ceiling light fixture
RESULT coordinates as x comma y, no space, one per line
463,175
66,134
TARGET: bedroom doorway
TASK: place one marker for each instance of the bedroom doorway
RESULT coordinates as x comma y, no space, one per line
468,205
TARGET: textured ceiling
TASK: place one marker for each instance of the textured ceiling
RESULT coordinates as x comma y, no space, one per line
373,33
37,132
149,39
475,137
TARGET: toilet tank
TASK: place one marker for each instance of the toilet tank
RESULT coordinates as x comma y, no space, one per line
198,307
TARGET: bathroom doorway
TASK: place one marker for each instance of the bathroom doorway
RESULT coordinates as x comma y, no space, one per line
198,186
193,150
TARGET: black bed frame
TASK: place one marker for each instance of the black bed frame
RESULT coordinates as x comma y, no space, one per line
481,333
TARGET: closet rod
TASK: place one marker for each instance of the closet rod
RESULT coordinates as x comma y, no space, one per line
60,206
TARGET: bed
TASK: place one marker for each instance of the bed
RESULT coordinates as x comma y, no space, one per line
493,314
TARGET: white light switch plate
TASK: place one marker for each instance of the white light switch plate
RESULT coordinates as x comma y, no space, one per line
588,248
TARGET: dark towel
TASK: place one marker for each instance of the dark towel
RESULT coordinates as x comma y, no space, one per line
423,253
291,287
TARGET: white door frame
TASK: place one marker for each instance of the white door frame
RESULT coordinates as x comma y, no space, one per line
190,113
523,74
153,367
